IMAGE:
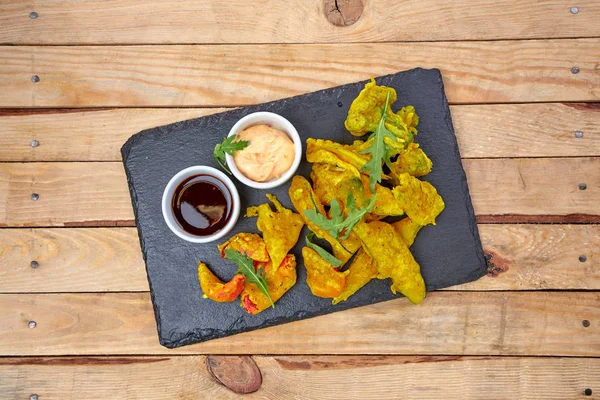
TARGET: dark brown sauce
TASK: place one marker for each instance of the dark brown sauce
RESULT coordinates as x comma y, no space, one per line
202,205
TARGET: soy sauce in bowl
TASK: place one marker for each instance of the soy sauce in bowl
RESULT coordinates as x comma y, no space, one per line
202,205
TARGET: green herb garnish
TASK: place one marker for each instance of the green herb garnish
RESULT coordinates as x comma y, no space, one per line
246,268
228,146
378,150
321,251
338,226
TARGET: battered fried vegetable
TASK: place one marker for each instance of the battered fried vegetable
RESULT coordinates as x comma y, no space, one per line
420,199
280,229
393,259
302,196
321,277
332,182
413,161
327,179
366,110
407,229
217,290
280,280
249,244
322,151
362,270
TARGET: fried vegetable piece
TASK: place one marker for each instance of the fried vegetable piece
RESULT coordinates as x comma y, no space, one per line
249,244
280,280
344,153
323,279
326,180
217,290
393,259
362,270
407,229
366,110
301,193
280,228
413,161
332,182
420,199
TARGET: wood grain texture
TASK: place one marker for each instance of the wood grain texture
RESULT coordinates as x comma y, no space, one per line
272,21
178,75
449,323
303,377
504,130
109,259
96,194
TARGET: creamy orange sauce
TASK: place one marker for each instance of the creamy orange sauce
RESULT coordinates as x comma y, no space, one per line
270,154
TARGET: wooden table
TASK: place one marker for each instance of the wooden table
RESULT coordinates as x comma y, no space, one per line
78,78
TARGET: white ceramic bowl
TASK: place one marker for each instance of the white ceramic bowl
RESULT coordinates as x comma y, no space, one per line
277,122
167,198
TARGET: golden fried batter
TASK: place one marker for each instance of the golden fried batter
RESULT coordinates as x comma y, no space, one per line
300,193
393,259
420,199
280,229
413,161
321,277
366,110
249,244
217,290
280,280
362,270
407,229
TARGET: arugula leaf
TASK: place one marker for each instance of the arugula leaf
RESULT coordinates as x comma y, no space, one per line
338,226
321,251
228,146
378,150
246,268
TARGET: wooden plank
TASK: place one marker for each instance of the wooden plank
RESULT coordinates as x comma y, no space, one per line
483,131
109,259
272,21
450,323
106,76
306,377
69,193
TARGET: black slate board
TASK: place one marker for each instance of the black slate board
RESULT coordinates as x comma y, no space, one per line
449,253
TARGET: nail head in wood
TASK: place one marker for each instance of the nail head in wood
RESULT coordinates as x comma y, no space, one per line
340,104
34,264
33,397
585,323
582,258
587,392
579,134
582,186
33,15
575,70
574,10
35,196
32,324
35,143
240,374
343,12
35,79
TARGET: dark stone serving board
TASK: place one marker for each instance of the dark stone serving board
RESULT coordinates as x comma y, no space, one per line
449,253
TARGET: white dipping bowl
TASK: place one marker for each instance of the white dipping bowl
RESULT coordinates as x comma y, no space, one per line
167,199
277,122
